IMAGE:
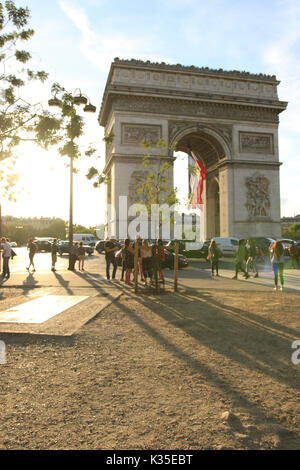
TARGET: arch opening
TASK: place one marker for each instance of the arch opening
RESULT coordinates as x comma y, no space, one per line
209,151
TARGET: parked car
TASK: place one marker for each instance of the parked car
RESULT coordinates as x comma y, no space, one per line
200,249
286,243
63,247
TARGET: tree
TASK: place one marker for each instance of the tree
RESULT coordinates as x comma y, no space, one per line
93,173
156,189
20,120
292,232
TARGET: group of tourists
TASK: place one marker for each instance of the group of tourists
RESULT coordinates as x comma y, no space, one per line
150,260
246,259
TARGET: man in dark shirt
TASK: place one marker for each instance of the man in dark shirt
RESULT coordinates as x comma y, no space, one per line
110,248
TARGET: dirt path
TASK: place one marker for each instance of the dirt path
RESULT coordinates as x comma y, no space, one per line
160,373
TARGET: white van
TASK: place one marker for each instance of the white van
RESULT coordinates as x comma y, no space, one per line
86,238
228,245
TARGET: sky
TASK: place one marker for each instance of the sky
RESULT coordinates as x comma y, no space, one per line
75,41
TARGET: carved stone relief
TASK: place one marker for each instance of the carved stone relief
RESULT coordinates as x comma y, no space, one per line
213,110
134,134
137,178
251,142
258,196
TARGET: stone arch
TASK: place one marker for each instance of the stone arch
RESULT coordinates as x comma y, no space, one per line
212,136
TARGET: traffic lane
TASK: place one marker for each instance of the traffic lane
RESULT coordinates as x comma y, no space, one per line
43,261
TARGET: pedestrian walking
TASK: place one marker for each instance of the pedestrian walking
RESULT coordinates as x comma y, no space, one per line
293,255
129,260
32,248
6,254
81,256
54,251
277,261
110,249
252,253
214,254
240,259
147,261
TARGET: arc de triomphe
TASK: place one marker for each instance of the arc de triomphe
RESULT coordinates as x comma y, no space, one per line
230,121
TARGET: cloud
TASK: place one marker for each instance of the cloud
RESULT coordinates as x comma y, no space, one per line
101,49
282,57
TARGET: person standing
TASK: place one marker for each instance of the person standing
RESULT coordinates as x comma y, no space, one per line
54,250
110,248
147,261
129,260
81,256
240,259
31,246
140,264
6,248
277,261
160,258
214,254
73,256
123,264
251,258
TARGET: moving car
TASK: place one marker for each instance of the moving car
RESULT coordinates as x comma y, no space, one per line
170,260
43,244
63,247
99,247
86,238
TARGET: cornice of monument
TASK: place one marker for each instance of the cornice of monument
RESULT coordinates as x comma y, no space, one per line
208,102
137,80
193,69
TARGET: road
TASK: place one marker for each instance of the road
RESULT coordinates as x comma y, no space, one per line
195,276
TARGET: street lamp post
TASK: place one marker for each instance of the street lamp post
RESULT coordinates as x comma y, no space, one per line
78,99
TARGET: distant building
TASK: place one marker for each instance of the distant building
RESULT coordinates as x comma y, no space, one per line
286,222
37,223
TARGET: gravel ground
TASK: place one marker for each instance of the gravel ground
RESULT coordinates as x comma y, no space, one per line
206,370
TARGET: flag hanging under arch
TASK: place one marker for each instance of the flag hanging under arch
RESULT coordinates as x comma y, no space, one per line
197,183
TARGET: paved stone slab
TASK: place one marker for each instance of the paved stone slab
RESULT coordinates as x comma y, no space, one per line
41,309
68,321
